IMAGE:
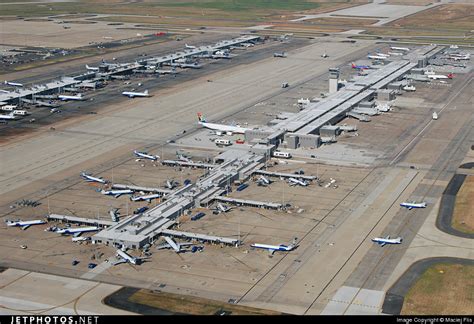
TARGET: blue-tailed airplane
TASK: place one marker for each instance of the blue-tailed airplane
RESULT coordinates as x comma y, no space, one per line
273,248
413,204
145,155
90,178
24,224
117,193
387,240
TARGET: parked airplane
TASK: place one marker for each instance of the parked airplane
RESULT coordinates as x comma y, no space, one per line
171,184
294,182
66,97
92,68
10,116
263,181
247,44
221,208
90,178
127,258
117,193
25,224
405,49
361,67
170,244
273,248
395,53
324,55
145,155
76,231
387,240
413,204
440,76
14,84
219,127
189,46
148,198
132,94
376,57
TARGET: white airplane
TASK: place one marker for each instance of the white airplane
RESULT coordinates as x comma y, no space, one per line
247,44
171,184
76,231
181,157
132,94
117,193
10,116
14,84
411,205
92,68
66,97
294,182
221,208
189,46
331,181
440,76
222,128
395,53
148,198
382,54
25,224
90,178
145,155
127,258
461,57
405,49
273,248
376,57
263,181
170,244
387,240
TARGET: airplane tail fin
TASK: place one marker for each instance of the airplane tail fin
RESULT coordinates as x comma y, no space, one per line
450,75
353,65
201,117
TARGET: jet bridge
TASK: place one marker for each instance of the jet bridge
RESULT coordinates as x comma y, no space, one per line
201,237
285,175
251,203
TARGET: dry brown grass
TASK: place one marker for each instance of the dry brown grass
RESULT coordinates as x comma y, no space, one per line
463,215
346,22
443,289
409,2
192,305
450,16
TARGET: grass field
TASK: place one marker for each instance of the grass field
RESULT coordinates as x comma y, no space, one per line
463,215
192,305
443,289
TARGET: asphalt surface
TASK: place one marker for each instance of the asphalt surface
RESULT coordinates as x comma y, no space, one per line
111,94
395,296
120,299
446,208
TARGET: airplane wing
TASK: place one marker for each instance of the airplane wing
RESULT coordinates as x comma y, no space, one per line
382,243
163,246
410,207
172,243
119,262
77,234
387,237
117,195
271,252
24,227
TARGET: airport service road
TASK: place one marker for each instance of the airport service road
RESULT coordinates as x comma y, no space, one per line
31,293
153,120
